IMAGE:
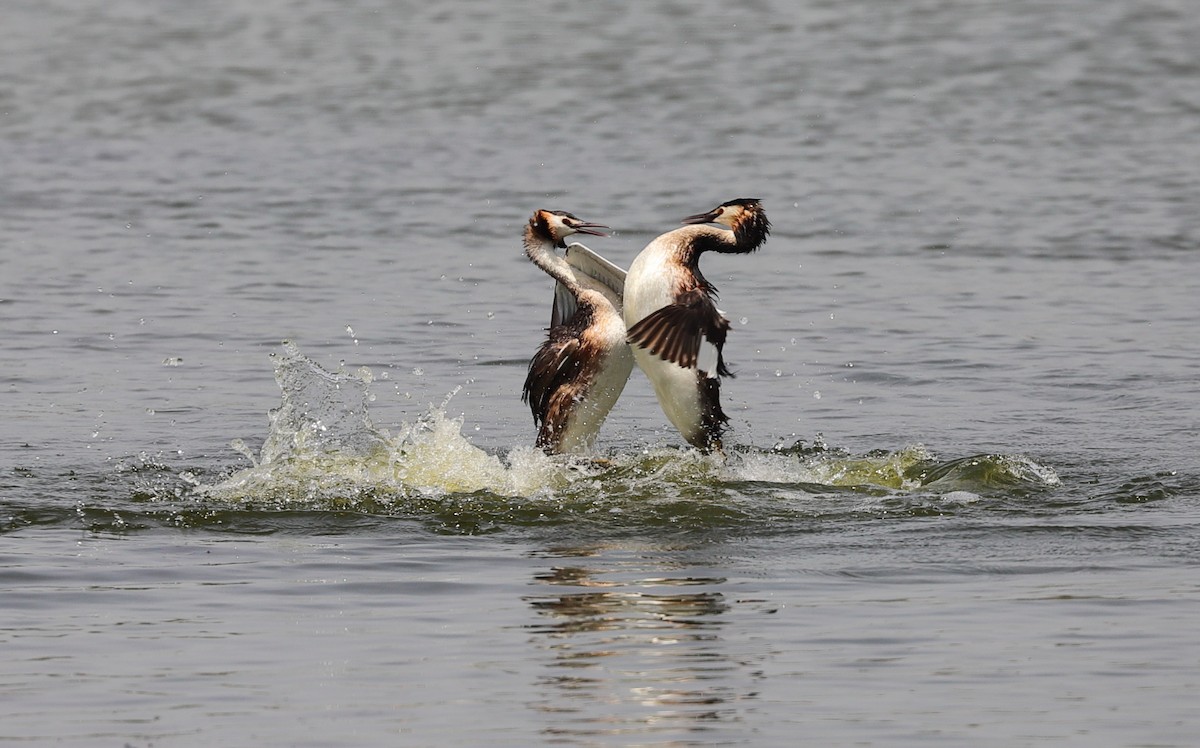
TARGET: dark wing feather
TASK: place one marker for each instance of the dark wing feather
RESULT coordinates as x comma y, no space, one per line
676,332
565,306
554,364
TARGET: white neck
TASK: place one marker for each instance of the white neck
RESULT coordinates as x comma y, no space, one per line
540,249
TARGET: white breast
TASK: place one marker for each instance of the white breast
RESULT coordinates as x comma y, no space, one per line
614,367
652,280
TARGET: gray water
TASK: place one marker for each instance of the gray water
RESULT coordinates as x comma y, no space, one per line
961,505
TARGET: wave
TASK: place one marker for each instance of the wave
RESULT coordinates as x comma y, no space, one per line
323,452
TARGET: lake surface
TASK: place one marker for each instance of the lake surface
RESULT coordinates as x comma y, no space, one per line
961,504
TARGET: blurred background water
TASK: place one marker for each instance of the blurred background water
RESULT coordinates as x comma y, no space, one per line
962,504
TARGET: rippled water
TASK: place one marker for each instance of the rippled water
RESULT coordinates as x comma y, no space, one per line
961,502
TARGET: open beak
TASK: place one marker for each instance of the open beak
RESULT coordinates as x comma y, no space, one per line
708,217
586,227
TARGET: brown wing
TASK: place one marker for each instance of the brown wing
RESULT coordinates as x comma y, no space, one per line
677,332
555,364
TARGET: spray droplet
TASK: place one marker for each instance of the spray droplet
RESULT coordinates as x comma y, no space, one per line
240,447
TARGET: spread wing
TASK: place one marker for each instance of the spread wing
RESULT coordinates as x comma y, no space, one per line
690,333
585,261
591,270
565,306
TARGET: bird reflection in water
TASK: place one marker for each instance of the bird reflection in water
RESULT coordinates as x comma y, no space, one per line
634,649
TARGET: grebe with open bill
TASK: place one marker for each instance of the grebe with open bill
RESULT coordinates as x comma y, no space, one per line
579,372
675,328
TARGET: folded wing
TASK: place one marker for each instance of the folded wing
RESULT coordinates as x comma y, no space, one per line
555,364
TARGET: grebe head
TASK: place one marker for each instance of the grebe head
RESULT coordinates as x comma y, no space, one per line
745,217
559,224
731,213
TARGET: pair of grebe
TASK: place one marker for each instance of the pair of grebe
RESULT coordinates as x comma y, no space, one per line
661,314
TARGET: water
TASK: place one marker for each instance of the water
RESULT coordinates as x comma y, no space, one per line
961,504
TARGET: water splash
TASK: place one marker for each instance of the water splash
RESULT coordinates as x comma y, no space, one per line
323,447
323,452
321,412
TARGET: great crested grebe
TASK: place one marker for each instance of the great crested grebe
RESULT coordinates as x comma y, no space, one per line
675,328
579,372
